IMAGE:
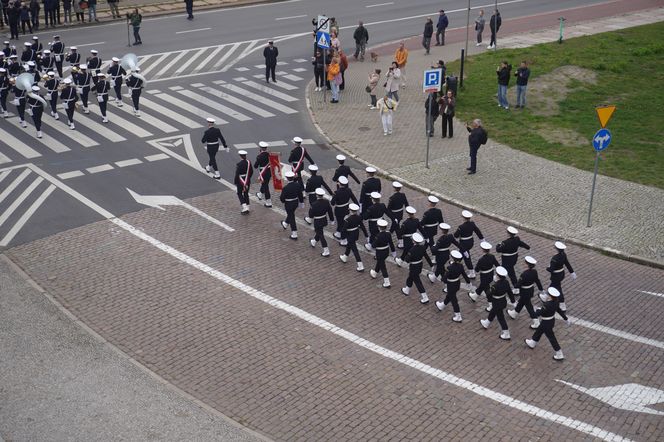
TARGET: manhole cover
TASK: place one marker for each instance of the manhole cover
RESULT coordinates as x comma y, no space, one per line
363,128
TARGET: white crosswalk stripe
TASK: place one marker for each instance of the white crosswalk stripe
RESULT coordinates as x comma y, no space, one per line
119,121
151,120
17,202
262,100
214,105
14,184
189,107
169,113
268,90
238,102
18,145
61,127
48,141
98,128
280,83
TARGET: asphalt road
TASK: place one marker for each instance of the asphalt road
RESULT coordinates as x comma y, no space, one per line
174,55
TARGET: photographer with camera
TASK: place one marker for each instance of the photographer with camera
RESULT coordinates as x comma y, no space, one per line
393,81
503,72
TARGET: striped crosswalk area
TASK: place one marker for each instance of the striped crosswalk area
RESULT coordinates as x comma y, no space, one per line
167,110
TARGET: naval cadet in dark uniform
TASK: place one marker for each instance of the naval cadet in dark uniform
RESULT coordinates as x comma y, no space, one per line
4,91
384,246
395,207
351,232
319,211
262,164
47,62
527,282
485,267
414,258
557,269
407,229
35,104
452,280
102,87
135,85
375,212
341,200
58,51
94,65
296,159
242,180
547,316
371,184
441,250
343,170
116,72
430,220
465,234
73,58
292,197
69,97
19,100
314,182
82,81
28,53
509,250
497,296
211,138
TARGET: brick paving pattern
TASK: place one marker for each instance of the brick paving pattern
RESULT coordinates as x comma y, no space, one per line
626,216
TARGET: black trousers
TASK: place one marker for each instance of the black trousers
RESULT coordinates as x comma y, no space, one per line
339,214
37,116
440,37
558,284
373,231
212,154
58,66
473,159
352,247
242,193
497,311
13,29
407,245
84,96
70,112
414,277
466,246
448,126
269,71
546,328
117,87
137,35
265,187
429,235
21,109
441,260
526,301
320,235
319,75
485,283
380,263
51,16
3,100
493,38
54,102
24,23
396,224
102,106
509,262
135,96
452,289
290,207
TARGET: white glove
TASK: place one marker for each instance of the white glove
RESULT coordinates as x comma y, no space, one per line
227,149
573,275
333,223
394,254
301,205
567,322
466,254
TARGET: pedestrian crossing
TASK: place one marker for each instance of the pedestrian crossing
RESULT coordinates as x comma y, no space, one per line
166,110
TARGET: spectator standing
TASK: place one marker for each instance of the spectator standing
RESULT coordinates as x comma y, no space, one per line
334,77
78,10
3,13
113,5
443,23
476,138
14,18
479,27
66,9
270,53
92,10
494,26
503,72
374,78
386,108
447,107
361,37
335,43
34,13
343,65
57,10
25,19
319,70
189,4
427,34
401,57
522,74
135,19
393,79
334,26
431,112
49,13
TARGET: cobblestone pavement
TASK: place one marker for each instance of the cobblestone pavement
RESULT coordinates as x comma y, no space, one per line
59,383
533,192
291,380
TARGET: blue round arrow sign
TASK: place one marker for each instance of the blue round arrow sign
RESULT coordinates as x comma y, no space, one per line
602,139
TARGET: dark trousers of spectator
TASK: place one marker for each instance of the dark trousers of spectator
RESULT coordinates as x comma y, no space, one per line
269,71
67,15
80,16
440,37
342,86
23,25
190,9
13,30
493,39
319,75
426,44
34,18
3,17
57,12
447,125
473,159
137,35
50,17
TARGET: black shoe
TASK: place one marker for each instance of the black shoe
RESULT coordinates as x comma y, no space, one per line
472,172
450,136
468,168
443,136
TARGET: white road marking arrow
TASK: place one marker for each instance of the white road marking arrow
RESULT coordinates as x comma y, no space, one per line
630,397
661,295
157,201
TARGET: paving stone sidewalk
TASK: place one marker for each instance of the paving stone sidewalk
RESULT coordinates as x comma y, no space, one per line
627,217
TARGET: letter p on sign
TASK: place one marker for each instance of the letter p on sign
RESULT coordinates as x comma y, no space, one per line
432,80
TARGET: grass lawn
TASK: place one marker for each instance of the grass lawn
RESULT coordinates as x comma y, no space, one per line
567,81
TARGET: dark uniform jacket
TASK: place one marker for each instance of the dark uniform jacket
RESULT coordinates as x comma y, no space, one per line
297,153
102,88
443,244
547,313
73,58
270,54
454,272
342,197
344,170
375,212
212,136
396,205
510,246
485,267
369,185
291,194
262,163
409,226
430,220
134,83
319,211
313,183
116,72
69,96
243,172
466,230
416,254
557,266
498,292
383,244
527,282
352,226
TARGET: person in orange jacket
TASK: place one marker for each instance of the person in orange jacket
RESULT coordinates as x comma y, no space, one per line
334,77
401,57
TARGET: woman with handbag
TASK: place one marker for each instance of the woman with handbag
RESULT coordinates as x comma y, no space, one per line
386,108
393,81
447,106
334,77
374,78
79,7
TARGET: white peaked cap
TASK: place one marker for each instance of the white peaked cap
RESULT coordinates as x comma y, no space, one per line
263,144
27,43
382,223
31,63
35,88
137,69
289,174
512,230
456,254
35,38
101,74
397,185
553,292
46,51
320,191
341,158
501,271
433,199
411,210
73,48
375,195
370,169
297,140
241,152
530,260
94,51
3,70
343,180
67,81
312,167
466,214
444,226
485,245
115,59
560,246
354,207
418,238
209,120
83,66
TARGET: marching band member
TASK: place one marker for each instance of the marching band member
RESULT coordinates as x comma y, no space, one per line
69,97
73,58
497,292
395,207
509,250
36,108
442,252
135,84
117,72
371,184
465,234
19,102
37,47
527,282
375,212
262,163
52,85
243,172
28,53
94,63
58,51
14,68
408,228
341,200
452,279
4,91
343,170
557,269
32,70
211,139
430,220
547,315
314,182
102,89
485,267
47,61
82,79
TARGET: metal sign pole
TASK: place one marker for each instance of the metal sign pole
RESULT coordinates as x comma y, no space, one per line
495,43
592,192
467,26
429,124
324,73
128,40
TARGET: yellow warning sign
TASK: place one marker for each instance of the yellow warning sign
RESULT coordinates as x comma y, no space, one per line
604,114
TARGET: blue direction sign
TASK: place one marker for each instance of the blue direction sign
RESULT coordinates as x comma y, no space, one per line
433,79
323,40
602,139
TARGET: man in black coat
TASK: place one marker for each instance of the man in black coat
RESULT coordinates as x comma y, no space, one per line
270,53
361,37
494,25
476,138
427,34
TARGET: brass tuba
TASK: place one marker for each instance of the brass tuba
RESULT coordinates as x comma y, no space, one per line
129,63
24,83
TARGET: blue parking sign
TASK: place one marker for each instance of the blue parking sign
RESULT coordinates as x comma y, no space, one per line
433,79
